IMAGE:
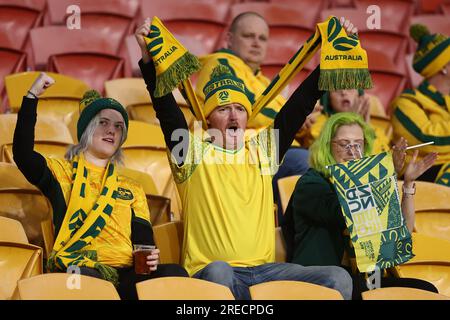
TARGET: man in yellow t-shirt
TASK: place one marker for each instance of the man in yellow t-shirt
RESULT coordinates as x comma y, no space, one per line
224,180
247,42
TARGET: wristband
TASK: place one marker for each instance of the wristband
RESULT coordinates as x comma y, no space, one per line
409,191
35,96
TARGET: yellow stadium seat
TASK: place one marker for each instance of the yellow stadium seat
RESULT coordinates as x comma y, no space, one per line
292,290
22,201
433,222
51,137
180,288
286,186
145,150
17,261
65,286
401,293
169,240
431,262
144,179
59,100
430,195
132,93
48,235
382,122
280,246
11,230
159,206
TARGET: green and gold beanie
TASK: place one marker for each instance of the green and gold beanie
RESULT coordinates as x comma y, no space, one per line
433,50
224,88
91,104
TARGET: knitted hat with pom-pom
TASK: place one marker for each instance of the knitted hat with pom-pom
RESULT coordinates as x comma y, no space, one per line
91,104
433,50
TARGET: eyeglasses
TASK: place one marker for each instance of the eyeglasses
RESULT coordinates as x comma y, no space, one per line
355,148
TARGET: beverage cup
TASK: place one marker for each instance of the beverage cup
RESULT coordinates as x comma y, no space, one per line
140,253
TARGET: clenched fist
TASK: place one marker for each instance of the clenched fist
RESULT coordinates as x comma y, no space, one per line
42,82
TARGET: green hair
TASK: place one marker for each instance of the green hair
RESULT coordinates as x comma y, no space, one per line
320,154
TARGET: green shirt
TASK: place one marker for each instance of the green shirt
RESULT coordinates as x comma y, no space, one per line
314,224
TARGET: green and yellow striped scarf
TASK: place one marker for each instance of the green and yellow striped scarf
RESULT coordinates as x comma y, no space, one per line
82,223
343,63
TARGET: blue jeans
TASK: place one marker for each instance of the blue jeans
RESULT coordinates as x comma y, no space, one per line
239,279
295,163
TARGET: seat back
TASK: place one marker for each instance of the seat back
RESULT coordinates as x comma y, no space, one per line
17,18
65,286
430,196
145,150
169,240
52,137
11,61
69,41
23,202
17,261
435,223
57,102
286,186
280,246
430,263
292,290
12,231
180,288
113,19
205,23
401,293
160,211
95,68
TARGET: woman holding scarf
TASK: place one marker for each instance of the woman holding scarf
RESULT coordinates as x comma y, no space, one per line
315,228
98,214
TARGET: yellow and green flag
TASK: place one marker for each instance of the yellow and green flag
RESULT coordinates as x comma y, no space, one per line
368,195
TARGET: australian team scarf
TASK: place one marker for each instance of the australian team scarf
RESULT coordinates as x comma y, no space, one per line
343,64
83,222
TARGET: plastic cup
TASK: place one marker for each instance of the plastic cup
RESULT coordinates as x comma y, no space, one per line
140,253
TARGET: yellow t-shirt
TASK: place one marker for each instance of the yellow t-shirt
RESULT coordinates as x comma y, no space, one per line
228,202
113,244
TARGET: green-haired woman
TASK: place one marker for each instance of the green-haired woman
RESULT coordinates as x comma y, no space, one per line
315,227
98,214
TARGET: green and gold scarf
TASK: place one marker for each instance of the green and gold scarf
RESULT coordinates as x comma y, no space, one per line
368,195
83,223
343,63
173,63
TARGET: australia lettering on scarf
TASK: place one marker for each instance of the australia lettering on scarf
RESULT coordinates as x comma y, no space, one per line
343,57
165,55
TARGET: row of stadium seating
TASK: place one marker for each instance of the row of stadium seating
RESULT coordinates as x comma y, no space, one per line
22,275
34,36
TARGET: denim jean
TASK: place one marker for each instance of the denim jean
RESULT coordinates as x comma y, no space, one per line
239,279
